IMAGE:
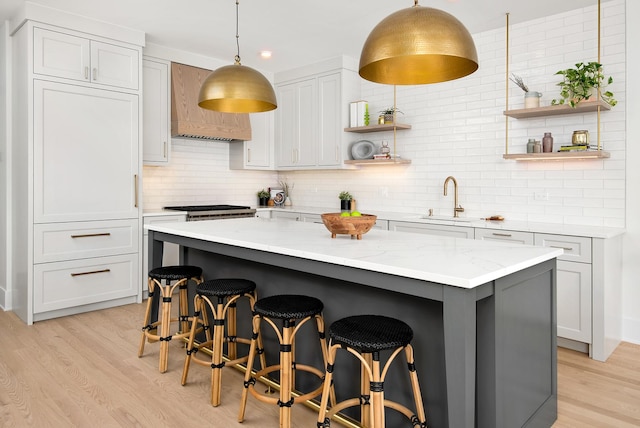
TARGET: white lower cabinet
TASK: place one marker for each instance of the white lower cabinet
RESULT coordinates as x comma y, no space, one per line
504,235
574,300
432,229
76,283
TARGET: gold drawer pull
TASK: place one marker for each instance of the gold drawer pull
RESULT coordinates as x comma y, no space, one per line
508,235
563,248
91,273
91,235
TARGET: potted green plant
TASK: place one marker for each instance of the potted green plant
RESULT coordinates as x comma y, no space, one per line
345,201
263,198
583,81
389,114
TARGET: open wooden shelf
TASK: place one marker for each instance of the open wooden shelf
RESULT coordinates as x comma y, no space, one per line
378,128
577,155
581,107
378,162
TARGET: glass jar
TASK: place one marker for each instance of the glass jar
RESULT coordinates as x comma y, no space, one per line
580,138
537,146
530,145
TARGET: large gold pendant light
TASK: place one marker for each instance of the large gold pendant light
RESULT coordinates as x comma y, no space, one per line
237,88
418,45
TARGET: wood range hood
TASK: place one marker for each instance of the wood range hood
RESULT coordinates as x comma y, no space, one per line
188,120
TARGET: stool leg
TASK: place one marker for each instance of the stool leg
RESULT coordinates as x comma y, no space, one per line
198,307
366,406
147,317
325,352
165,328
232,330
286,374
247,375
327,386
183,313
417,396
216,357
377,393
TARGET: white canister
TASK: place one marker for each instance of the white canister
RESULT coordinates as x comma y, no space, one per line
532,99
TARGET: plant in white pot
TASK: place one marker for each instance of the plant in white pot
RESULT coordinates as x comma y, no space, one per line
582,82
531,98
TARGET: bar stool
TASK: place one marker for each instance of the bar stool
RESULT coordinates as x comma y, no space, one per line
365,336
289,309
221,296
174,276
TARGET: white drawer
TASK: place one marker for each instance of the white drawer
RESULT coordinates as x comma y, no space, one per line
163,219
81,240
576,248
504,235
80,282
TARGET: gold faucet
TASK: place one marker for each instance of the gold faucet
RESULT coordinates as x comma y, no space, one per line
456,207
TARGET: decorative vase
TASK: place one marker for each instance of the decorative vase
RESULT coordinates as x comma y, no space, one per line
547,143
263,202
532,99
287,202
345,205
388,118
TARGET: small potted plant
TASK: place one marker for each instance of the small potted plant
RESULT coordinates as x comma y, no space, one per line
531,98
583,81
263,198
345,201
390,114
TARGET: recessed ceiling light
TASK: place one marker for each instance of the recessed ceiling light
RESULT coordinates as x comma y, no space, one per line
265,54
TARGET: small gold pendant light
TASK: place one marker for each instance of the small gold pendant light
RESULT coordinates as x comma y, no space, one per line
237,88
418,45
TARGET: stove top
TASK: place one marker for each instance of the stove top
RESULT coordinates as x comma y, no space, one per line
207,207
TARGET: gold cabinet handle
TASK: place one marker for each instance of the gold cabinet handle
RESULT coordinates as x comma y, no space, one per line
95,74
165,150
91,272
562,248
508,235
86,73
248,155
135,186
91,235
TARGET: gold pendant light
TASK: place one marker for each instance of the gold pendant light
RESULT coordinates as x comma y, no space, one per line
418,45
237,88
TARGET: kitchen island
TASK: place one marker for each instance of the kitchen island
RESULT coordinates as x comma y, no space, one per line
483,313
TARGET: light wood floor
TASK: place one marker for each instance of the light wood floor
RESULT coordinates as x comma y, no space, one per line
84,371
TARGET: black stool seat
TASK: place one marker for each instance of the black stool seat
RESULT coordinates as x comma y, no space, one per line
288,306
224,287
370,333
174,273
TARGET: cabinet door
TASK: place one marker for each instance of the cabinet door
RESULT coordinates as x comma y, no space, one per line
287,215
114,65
432,229
60,55
574,300
297,124
156,112
329,121
85,153
258,149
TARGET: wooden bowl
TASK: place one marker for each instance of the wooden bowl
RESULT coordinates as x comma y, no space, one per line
348,225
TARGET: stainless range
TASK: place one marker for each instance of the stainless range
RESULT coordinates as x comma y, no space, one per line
214,212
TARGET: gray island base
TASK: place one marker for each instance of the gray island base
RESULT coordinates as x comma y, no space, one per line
485,353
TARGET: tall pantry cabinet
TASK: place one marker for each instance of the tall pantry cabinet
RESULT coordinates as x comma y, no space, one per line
76,164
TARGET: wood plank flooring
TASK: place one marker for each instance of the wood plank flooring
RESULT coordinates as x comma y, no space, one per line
83,371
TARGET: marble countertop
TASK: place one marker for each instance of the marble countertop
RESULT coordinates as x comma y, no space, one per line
465,263
521,226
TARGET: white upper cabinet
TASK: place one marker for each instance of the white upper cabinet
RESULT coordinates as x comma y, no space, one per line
256,153
156,111
313,110
70,56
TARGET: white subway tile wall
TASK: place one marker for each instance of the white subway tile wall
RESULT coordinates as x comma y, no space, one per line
458,128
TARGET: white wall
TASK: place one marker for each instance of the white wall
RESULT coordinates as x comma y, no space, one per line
4,155
631,243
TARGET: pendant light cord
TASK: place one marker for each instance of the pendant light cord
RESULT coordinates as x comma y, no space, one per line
237,58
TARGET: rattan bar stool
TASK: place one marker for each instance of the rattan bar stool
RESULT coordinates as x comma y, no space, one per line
221,296
173,276
365,336
294,311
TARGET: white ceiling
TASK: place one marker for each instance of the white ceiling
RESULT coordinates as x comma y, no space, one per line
299,32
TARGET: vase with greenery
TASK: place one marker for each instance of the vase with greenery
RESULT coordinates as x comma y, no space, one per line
390,114
263,198
582,82
345,200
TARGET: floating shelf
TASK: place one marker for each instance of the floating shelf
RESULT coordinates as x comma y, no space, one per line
581,155
581,107
378,128
378,162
